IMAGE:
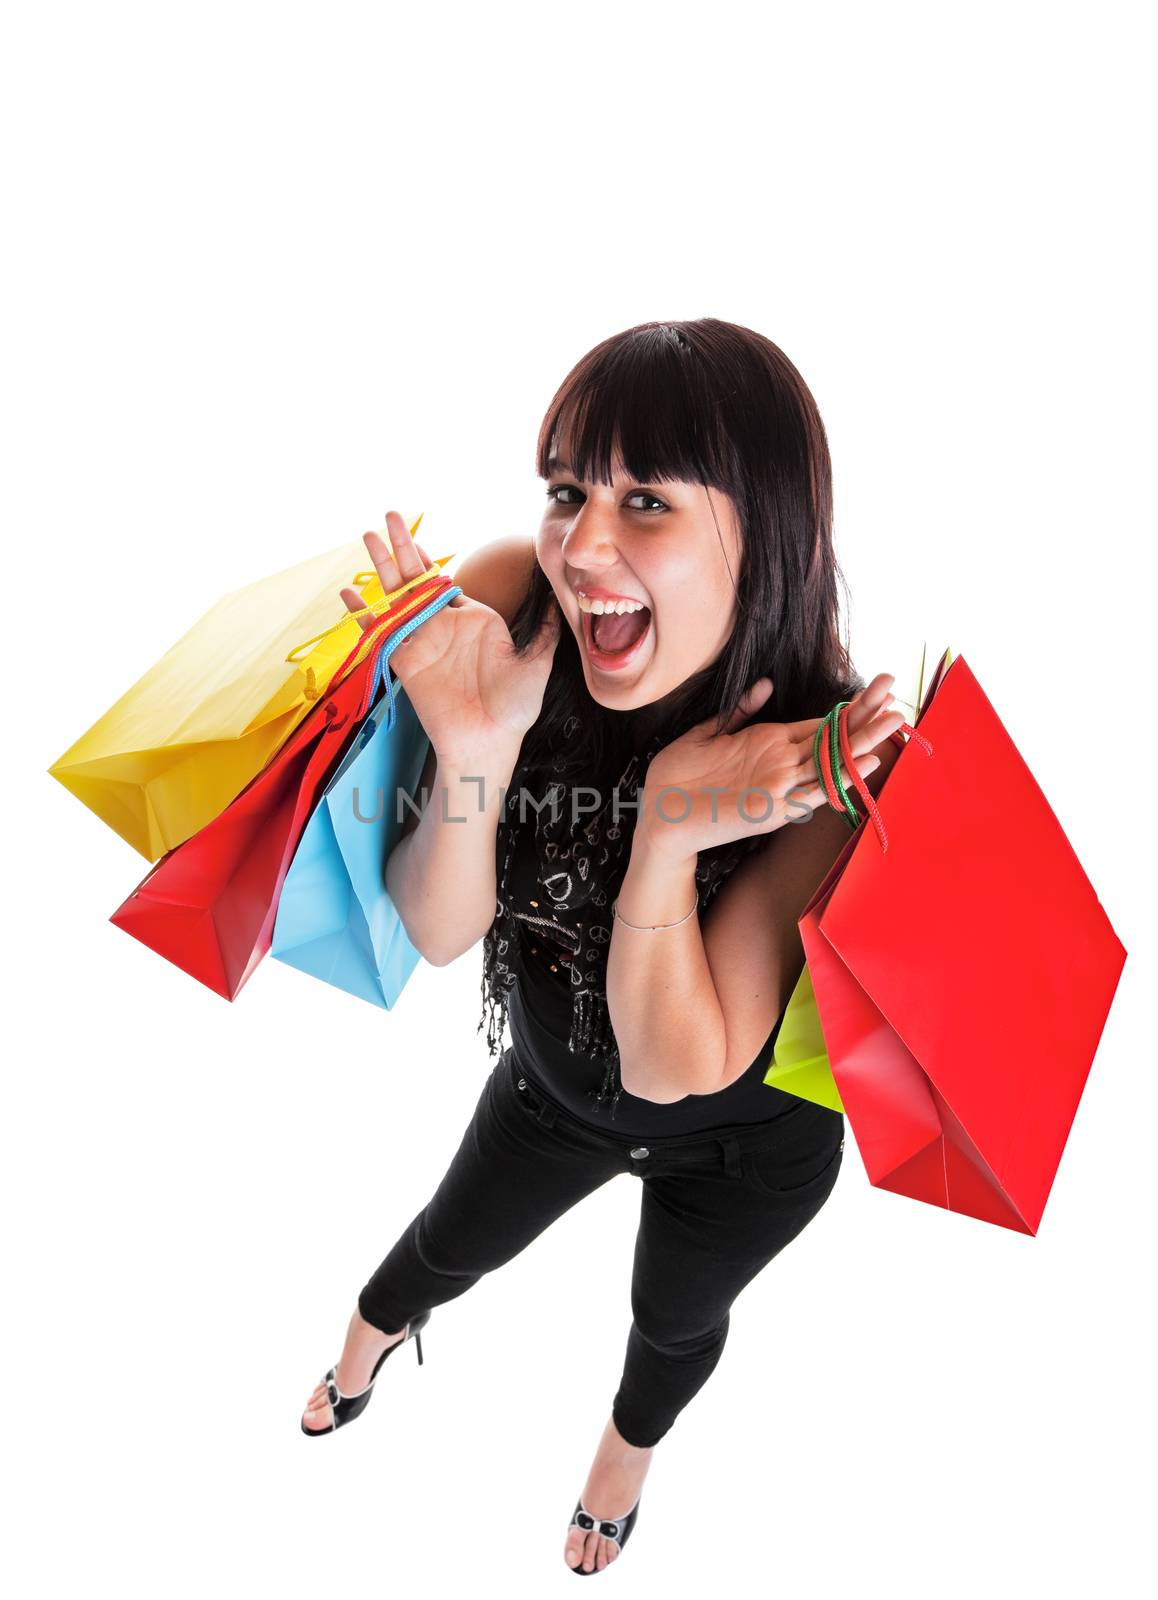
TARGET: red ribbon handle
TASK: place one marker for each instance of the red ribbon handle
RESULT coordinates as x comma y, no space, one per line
831,791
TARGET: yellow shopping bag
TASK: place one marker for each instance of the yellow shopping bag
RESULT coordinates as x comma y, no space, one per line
799,1062
183,742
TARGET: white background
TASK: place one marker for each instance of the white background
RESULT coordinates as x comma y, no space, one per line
271,270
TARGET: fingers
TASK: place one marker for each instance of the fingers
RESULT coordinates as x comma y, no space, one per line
876,732
395,562
750,702
872,699
396,559
864,714
809,791
860,740
386,556
354,602
406,555
753,697
862,708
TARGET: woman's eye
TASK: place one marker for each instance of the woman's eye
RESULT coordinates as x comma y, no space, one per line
637,494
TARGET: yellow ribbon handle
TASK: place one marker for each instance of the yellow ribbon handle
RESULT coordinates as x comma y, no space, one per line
405,610
377,607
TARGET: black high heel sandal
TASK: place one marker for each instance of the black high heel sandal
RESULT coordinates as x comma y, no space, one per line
617,1530
345,1407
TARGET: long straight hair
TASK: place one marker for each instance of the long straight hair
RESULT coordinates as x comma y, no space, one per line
714,403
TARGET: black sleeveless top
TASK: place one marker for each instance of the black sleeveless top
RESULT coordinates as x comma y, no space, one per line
539,1013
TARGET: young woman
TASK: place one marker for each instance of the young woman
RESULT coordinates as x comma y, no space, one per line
633,856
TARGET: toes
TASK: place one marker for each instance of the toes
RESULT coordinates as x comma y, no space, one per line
590,1550
318,1416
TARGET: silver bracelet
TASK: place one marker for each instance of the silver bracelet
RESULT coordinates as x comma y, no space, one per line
656,927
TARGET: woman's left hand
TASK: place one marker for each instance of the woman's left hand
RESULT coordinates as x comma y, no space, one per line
710,773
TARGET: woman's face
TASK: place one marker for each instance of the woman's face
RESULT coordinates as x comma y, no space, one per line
651,542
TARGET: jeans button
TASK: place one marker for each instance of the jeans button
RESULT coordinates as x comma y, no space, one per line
522,1083
640,1151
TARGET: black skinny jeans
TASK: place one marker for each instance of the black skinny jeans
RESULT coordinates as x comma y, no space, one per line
715,1209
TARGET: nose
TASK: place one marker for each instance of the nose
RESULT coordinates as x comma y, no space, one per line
589,545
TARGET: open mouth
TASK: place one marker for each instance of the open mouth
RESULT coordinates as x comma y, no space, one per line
613,641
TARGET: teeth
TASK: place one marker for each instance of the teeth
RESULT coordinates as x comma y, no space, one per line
598,607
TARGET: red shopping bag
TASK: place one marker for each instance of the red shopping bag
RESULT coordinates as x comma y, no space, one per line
209,905
963,968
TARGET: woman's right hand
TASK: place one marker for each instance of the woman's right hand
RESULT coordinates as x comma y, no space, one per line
473,692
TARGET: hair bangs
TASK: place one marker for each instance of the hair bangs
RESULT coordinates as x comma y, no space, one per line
640,404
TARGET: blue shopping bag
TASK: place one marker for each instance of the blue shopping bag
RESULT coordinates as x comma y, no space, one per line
335,919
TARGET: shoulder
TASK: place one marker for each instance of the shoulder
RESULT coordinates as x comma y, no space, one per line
497,573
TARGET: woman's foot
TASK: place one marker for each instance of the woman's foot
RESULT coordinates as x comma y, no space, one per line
613,1486
364,1344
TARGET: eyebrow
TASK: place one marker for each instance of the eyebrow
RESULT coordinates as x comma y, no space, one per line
554,464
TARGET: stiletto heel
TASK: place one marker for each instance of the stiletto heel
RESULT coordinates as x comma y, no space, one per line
345,1407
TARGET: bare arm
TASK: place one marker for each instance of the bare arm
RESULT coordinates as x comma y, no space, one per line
441,873
692,1005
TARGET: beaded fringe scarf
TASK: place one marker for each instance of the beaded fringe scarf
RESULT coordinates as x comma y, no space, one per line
582,861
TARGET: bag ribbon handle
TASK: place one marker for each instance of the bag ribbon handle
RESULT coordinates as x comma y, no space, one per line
311,690
381,674
380,642
831,747
370,639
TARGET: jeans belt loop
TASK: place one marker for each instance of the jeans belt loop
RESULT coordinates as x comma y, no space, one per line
731,1147
547,1114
